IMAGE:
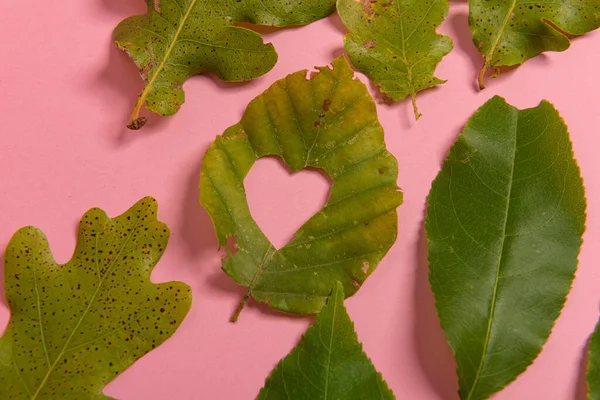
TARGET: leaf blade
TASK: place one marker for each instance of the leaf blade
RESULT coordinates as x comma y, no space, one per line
178,39
329,123
84,312
509,33
328,362
507,208
392,62
593,372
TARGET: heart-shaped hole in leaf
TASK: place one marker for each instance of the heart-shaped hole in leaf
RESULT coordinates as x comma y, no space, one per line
280,200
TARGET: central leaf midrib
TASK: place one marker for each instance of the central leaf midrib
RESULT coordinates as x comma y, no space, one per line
169,50
501,30
497,278
91,301
334,298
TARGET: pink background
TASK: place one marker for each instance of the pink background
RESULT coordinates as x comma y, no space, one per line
65,94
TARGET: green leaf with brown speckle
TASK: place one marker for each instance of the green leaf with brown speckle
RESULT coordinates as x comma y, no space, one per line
394,43
177,39
75,327
328,122
509,32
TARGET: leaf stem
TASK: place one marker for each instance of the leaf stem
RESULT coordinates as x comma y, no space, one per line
240,307
414,103
481,79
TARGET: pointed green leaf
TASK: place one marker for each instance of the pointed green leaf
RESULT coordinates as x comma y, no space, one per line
177,39
75,327
593,373
395,44
511,32
504,224
327,363
328,122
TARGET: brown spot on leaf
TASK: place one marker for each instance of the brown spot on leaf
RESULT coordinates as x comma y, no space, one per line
365,267
368,7
326,104
369,44
137,123
317,124
355,284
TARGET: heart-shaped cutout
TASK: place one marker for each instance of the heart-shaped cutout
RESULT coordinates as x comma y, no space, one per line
281,201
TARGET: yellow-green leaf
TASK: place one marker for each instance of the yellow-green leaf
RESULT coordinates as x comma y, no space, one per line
509,32
504,223
177,39
328,122
327,363
394,43
75,327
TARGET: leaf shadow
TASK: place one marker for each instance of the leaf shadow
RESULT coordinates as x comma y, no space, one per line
336,21
122,7
434,354
581,388
197,234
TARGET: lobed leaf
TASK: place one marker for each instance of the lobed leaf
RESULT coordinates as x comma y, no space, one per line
394,43
75,327
177,39
328,122
327,363
511,32
504,225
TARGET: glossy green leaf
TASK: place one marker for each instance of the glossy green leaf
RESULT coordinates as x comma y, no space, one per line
327,363
593,373
328,122
395,44
75,327
509,32
504,224
177,39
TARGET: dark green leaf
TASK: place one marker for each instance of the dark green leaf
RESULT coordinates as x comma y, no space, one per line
505,220
330,123
328,363
394,43
593,373
74,327
177,39
509,32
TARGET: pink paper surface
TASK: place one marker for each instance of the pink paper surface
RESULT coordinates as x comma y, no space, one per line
65,95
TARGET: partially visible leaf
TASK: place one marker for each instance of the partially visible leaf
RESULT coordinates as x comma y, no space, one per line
177,39
327,363
75,327
593,373
511,32
328,122
395,44
504,224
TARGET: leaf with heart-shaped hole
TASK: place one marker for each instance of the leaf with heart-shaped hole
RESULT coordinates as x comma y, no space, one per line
276,194
75,327
328,122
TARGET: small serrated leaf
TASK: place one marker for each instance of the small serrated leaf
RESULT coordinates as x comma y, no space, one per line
504,224
511,32
394,43
328,122
177,39
327,363
75,327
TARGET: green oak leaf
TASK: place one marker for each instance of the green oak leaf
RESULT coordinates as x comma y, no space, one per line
504,223
509,32
177,39
327,363
328,122
75,327
394,43
593,373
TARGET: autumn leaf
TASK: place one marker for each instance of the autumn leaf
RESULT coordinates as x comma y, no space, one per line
504,224
593,373
328,363
328,122
177,39
511,32
394,43
75,327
